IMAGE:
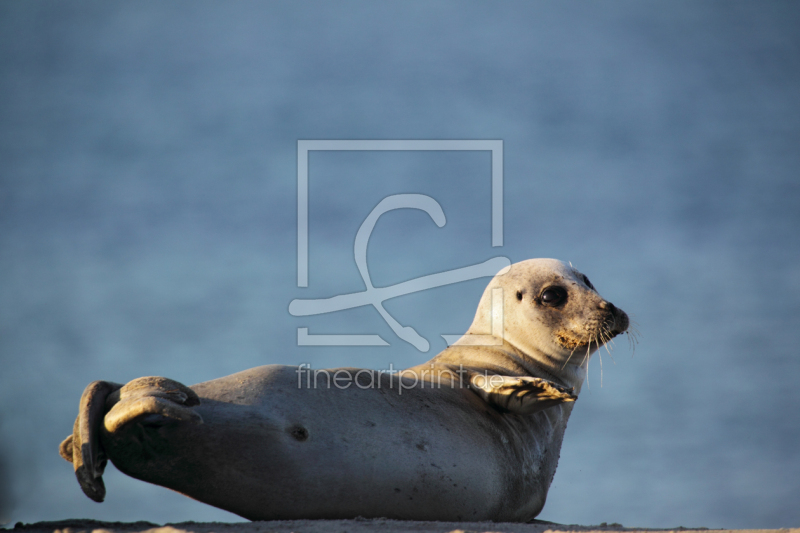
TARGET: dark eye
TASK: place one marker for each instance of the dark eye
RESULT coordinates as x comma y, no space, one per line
553,296
587,282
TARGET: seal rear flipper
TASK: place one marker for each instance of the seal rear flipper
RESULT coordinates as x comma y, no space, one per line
148,410
141,398
83,447
520,395
138,428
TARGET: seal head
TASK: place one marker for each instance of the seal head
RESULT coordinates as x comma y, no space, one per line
552,320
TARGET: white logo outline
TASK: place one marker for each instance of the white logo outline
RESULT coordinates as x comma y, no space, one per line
376,296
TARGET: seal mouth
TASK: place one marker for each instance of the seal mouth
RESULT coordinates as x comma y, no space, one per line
572,343
606,329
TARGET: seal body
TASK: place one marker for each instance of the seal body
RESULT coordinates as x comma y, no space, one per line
474,434
295,451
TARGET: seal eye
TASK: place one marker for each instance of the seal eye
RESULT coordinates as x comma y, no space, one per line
553,296
519,295
587,282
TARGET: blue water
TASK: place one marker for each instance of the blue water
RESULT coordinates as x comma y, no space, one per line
148,223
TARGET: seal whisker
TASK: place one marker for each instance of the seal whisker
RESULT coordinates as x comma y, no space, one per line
605,343
604,336
633,329
633,335
609,341
610,344
586,360
570,357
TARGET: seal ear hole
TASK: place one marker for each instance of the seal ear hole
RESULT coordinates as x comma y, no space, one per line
299,432
519,295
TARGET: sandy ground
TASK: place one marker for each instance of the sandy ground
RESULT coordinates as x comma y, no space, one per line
339,526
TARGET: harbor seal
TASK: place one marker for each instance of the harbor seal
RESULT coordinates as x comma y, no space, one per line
474,434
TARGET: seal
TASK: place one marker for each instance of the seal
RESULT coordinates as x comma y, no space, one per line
473,434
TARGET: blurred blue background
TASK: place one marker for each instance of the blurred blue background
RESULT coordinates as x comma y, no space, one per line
148,220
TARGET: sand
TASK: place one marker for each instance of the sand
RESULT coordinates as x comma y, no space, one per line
339,526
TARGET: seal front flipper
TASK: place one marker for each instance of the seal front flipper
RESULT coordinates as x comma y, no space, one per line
520,395
82,448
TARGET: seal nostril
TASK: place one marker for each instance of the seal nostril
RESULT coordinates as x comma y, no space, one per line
607,305
299,432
